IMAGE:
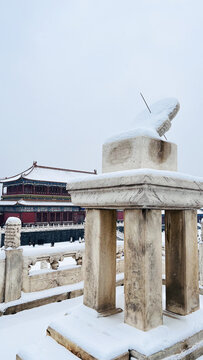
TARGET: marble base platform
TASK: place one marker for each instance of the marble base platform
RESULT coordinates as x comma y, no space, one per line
86,335
89,336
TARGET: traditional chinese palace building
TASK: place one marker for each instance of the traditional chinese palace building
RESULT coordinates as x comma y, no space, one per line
38,195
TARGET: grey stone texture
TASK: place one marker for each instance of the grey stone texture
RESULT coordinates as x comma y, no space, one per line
142,181
2,279
139,152
201,263
100,259
139,189
143,268
49,280
13,274
12,233
182,286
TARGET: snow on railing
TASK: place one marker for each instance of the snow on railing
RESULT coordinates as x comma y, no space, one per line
47,267
53,255
49,227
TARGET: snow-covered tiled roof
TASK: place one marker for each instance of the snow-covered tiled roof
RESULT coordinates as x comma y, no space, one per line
35,203
45,173
7,202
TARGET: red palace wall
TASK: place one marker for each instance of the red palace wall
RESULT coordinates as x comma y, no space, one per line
120,215
7,215
31,217
28,217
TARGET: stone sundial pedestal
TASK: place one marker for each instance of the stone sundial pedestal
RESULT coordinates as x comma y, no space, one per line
139,176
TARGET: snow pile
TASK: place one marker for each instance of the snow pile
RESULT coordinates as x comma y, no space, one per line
13,221
48,250
27,297
154,123
48,349
136,172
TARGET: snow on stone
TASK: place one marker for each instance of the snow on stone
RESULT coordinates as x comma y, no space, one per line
61,247
2,254
152,124
33,324
27,297
133,173
185,354
107,337
33,272
13,220
47,349
144,131
45,250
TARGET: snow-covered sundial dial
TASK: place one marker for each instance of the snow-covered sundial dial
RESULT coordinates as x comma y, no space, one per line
158,116
154,121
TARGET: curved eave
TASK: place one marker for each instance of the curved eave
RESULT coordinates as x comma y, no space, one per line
36,203
18,176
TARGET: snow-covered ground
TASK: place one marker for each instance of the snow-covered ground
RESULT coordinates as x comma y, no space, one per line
29,326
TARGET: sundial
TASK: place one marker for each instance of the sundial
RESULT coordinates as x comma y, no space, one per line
154,121
158,116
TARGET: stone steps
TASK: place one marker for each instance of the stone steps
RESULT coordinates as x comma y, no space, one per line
48,349
191,348
87,352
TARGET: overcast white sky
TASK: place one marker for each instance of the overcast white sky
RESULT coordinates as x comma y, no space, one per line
71,72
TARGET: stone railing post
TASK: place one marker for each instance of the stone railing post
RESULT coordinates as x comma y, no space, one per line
201,256
78,258
202,230
14,260
0,237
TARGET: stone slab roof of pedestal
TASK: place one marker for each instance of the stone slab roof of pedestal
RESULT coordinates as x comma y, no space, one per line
140,188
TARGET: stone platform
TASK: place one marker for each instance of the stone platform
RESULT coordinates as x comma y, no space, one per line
138,189
90,337
48,349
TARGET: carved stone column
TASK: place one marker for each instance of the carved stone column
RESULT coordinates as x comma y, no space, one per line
14,260
100,260
12,233
143,265
182,288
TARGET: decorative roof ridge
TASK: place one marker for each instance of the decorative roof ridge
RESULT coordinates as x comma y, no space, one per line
21,173
35,165
62,169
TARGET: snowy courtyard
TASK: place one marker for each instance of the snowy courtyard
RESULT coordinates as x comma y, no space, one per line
26,330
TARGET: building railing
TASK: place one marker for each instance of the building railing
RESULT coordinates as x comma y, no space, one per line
45,268
31,269
52,269
40,268
48,227
54,225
